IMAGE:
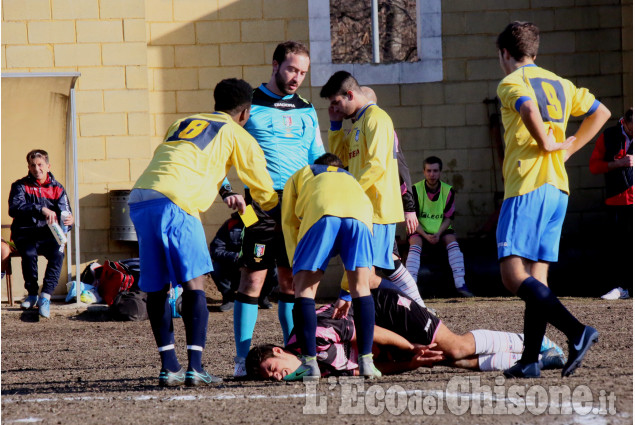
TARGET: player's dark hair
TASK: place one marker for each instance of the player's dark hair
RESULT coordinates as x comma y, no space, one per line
520,39
628,115
433,160
232,95
255,357
329,159
339,84
37,153
294,47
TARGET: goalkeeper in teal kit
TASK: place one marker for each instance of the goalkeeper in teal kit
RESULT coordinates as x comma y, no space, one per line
286,128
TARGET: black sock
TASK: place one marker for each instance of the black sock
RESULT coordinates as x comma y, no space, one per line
534,330
540,296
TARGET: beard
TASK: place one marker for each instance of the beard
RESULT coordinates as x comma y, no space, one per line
282,85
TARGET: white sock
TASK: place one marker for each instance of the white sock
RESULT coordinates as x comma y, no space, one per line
404,281
414,261
493,342
455,258
499,361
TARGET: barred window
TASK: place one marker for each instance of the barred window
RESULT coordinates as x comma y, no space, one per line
352,32
408,49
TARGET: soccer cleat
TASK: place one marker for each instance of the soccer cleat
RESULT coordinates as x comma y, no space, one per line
226,306
309,369
519,370
196,379
264,303
240,371
578,351
171,379
616,294
552,359
464,292
367,368
29,302
44,305
548,344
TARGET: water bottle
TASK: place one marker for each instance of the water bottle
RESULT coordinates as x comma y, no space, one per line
63,216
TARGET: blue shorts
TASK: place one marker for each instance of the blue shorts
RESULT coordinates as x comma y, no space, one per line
530,225
383,242
172,244
329,236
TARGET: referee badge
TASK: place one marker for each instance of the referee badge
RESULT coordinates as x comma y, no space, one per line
259,251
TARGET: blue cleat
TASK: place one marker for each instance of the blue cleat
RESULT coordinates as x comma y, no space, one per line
44,305
519,370
547,344
171,379
578,351
552,359
29,302
196,379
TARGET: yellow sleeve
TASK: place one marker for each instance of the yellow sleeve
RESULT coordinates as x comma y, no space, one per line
380,140
290,222
509,92
344,282
338,145
251,167
581,102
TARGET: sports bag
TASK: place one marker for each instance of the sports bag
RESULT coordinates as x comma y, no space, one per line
114,278
130,306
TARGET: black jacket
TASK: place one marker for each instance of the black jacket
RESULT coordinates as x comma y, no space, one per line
26,200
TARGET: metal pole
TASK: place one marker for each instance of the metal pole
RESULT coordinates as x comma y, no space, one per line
375,19
76,193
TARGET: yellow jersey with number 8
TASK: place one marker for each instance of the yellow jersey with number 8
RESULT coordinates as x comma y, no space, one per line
526,166
197,153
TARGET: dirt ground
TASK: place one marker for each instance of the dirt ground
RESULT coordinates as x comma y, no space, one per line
82,368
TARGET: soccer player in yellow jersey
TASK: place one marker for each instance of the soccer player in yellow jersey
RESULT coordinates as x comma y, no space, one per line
180,182
369,152
536,106
325,212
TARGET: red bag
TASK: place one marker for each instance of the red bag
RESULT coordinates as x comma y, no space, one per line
114,278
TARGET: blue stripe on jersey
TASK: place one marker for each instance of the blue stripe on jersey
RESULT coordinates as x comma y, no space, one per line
520,101
319,169
197,131
593,108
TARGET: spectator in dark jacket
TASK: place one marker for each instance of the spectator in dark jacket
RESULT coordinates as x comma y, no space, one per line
36,201
613,157
224,250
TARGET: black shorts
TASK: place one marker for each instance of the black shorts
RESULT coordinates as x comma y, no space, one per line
402,315
262,243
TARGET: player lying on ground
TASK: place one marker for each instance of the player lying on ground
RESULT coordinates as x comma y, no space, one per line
406,337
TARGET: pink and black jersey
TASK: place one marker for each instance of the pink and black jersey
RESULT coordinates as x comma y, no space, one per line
335,353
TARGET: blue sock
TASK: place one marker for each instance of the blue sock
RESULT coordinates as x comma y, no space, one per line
364,317
195,316
285,315
305,321
245,316
386,284
160,315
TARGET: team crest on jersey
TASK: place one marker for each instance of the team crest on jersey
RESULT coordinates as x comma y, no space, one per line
357,135
259,250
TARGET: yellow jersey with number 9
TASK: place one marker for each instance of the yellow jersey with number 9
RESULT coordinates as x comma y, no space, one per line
526,166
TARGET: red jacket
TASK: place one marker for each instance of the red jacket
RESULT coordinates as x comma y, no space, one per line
611,145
